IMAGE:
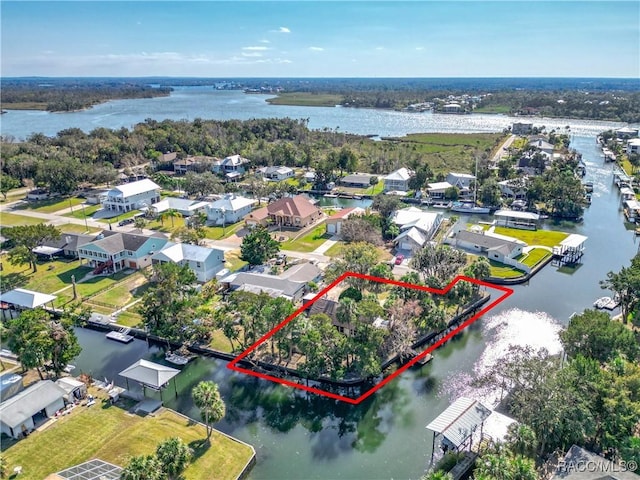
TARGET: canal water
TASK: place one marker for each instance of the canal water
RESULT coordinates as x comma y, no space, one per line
305,436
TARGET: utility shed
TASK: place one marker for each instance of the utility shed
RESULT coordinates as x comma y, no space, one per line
456,426
24,411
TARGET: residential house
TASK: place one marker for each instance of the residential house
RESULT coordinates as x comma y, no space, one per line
183,206
398,180
329,308
356,180
543,146
310,176
115,251
24,412
462,181
294,212
94,196
204,262
513,188
132,196
167,157
496,247
417,227
633,146
197,164
521,128
230,209
581,464
452,108
232,167
277,173
66,245
632,210
626,132
437,190
291,284
334,222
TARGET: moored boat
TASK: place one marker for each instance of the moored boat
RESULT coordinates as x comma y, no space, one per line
469,207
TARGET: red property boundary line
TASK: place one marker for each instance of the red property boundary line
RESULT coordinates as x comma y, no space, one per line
233,365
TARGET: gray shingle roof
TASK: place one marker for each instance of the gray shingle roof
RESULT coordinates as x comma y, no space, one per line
28,402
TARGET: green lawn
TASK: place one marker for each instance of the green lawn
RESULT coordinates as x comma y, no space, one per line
545,238
129,318
500,270
220,342
306,99
493,109
126,292
232,260
335,250
308,242
112,434
50,277
82,213
534,257
12,220
75,228
218,233
13,195
626,166
53,205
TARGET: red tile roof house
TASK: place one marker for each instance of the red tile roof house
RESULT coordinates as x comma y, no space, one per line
334,222
294,212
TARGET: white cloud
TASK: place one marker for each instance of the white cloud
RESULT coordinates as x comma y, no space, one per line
264,40
282,30
255,49
251,54
316,49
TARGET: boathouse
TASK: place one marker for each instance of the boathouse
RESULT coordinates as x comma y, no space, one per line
514,219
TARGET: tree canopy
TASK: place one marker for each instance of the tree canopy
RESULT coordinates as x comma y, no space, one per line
258,246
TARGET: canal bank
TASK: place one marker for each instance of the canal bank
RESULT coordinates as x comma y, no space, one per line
299,435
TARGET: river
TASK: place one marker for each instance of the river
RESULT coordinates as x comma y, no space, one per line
305,436
206,103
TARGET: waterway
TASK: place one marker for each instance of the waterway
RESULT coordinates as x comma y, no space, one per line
306,436
188,103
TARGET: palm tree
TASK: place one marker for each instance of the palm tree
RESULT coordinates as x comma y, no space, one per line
143,467
212,409
170,213
174,456
438,475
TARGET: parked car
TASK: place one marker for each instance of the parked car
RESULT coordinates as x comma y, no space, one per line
399,259
126,221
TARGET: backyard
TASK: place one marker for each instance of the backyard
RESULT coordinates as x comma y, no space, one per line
52,205
309,241
545,238
113,434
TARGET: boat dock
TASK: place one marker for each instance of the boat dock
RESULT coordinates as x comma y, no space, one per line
121,335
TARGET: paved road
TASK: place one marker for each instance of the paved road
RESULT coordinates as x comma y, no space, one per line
502,151
52,218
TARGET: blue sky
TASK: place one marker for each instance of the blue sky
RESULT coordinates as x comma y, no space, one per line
321,38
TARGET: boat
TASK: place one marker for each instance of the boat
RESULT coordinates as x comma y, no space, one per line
637,231
121,335
330,195
68,368
424,360
444,205
357,197
469,207
177,359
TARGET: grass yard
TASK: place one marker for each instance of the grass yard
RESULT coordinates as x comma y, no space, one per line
306,99
219,342
52,205
493,109
534,257
232,260
499,270
335,250
81,213
218,233
74,228
309,242
545,238
25,106
112,434
626,166
130,318
13,195
12,220
126,292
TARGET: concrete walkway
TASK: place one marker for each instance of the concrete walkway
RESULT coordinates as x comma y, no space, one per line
502,151
326,245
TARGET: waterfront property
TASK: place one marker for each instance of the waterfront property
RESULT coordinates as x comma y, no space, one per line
276,173
334,222
462,181
513,188
356,180
398,181
417,227
231,208
66,245
115,251
542,146
232,167
515,219
19,299
291,284
183,206
27,410
497,247
296,212
204,262
521,128
131,196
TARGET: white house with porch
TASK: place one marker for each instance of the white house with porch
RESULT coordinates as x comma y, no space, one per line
229,209
398,180
204,262
131,196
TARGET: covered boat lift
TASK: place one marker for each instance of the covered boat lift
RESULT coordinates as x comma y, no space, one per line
515,219
150,375
20,299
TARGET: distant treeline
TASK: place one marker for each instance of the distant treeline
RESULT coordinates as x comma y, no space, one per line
64,95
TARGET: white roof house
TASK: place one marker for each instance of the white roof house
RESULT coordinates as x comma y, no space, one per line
460,180
203,261
134,188
149,374
417,227
17,413
229,209
185,206
23,298
398,180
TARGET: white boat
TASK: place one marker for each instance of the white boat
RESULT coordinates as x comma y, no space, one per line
602,302
330,195
176,358
469,207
